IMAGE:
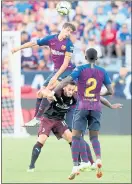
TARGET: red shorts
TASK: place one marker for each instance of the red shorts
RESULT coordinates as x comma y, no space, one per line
58,127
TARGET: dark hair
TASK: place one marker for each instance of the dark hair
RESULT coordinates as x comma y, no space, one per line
91,55
68,24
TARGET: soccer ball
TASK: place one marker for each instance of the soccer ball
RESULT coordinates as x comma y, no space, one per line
63,7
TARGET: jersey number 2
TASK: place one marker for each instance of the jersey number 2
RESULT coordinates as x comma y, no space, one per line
93,83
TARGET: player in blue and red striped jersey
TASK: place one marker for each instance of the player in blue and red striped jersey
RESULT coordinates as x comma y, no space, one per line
61,52
88,112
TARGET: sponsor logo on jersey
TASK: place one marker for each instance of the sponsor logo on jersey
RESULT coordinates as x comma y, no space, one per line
64,106
56,52
63,47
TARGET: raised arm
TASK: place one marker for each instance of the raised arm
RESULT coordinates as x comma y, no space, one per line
105,102
34,42
25,45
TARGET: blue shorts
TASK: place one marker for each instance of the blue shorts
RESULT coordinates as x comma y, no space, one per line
62,76
69,117
84,119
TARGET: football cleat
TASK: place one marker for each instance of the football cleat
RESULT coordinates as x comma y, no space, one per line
30,169
32,123
93,167
84,166
74,173
99,168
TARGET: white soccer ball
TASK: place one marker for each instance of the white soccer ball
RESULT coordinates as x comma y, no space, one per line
63,7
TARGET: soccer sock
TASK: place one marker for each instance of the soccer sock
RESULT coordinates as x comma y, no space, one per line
83,150
90,158
79,158
43,104
75,149
38,102
96,146
35,153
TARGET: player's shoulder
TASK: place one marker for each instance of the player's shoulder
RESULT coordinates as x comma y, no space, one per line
69,42
100,68
84,66
52,36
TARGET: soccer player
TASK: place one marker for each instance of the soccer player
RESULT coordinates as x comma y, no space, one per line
88,112
54,120
61,52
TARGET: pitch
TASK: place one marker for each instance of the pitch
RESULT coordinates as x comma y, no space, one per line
54,165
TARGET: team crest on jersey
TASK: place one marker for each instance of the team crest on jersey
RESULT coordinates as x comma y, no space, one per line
63,47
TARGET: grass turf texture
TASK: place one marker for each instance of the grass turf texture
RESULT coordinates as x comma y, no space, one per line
55,163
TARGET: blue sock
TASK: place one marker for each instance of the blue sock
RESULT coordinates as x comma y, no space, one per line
96,146
75,149
44,103
38,102
83,150
90,158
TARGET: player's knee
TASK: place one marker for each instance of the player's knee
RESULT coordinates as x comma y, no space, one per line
39,94
42,138
76,133
67,136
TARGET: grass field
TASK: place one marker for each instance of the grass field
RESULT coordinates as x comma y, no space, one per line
55,163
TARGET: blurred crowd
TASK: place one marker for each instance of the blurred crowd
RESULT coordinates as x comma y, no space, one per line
103,25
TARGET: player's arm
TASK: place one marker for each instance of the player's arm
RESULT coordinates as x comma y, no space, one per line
74,75
47,94
34,42
105,102
108,85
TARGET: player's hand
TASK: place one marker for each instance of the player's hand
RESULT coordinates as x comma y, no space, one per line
51,97
117,106
52,83
14,50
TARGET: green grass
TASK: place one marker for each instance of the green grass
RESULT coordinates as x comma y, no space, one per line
55,163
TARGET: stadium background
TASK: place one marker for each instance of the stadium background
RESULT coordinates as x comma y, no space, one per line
95,21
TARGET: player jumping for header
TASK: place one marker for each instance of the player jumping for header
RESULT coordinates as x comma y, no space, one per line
88,112
61,51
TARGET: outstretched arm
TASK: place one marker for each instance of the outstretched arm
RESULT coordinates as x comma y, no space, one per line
34,42
26,45
105,102
63,83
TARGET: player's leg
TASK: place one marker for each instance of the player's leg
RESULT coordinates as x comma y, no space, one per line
69,119
41,103
78,144
44,101
43,133
94,126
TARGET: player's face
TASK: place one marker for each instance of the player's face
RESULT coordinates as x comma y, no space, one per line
69,90
66,32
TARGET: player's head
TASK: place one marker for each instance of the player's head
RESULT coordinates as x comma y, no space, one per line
91,55
67,29
69,89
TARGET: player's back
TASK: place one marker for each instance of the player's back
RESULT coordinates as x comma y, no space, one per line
90,82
